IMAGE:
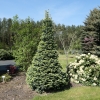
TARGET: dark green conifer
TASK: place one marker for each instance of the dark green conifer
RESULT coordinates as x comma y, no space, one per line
91,33
45,73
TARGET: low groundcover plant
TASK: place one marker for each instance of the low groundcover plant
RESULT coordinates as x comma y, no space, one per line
85,70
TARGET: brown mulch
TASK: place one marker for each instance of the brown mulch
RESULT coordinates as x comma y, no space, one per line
16,89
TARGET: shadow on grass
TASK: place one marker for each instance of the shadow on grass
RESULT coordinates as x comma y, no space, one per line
67,87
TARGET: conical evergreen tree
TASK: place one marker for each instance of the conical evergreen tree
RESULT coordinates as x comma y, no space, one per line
45,73
91,33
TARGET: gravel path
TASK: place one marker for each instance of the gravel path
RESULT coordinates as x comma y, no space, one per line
16,89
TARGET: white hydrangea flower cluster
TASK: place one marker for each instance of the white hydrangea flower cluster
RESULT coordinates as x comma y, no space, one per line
85,70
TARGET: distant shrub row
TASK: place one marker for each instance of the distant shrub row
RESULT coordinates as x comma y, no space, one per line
6,55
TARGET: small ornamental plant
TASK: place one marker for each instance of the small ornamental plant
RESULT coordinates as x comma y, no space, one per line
5,78
85,70
12,69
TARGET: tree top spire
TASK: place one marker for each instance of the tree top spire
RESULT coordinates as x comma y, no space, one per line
47,16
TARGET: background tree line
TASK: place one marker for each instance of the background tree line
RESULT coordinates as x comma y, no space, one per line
9,28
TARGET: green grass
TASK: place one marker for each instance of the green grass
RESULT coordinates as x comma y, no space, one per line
77,93
63,60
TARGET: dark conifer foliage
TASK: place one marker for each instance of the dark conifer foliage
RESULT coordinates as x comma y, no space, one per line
91,33
45,73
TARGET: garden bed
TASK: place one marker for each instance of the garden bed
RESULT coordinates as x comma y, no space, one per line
16,89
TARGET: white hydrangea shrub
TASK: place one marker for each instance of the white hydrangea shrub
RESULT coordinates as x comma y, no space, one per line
85,70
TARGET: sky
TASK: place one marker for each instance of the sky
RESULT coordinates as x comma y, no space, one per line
67,12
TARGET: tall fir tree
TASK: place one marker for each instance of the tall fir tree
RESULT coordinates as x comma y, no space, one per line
45,73
91,33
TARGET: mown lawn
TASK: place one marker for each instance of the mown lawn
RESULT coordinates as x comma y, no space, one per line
75,93
63,60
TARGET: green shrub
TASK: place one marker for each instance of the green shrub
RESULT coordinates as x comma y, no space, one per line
7,77
5,55
85,70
